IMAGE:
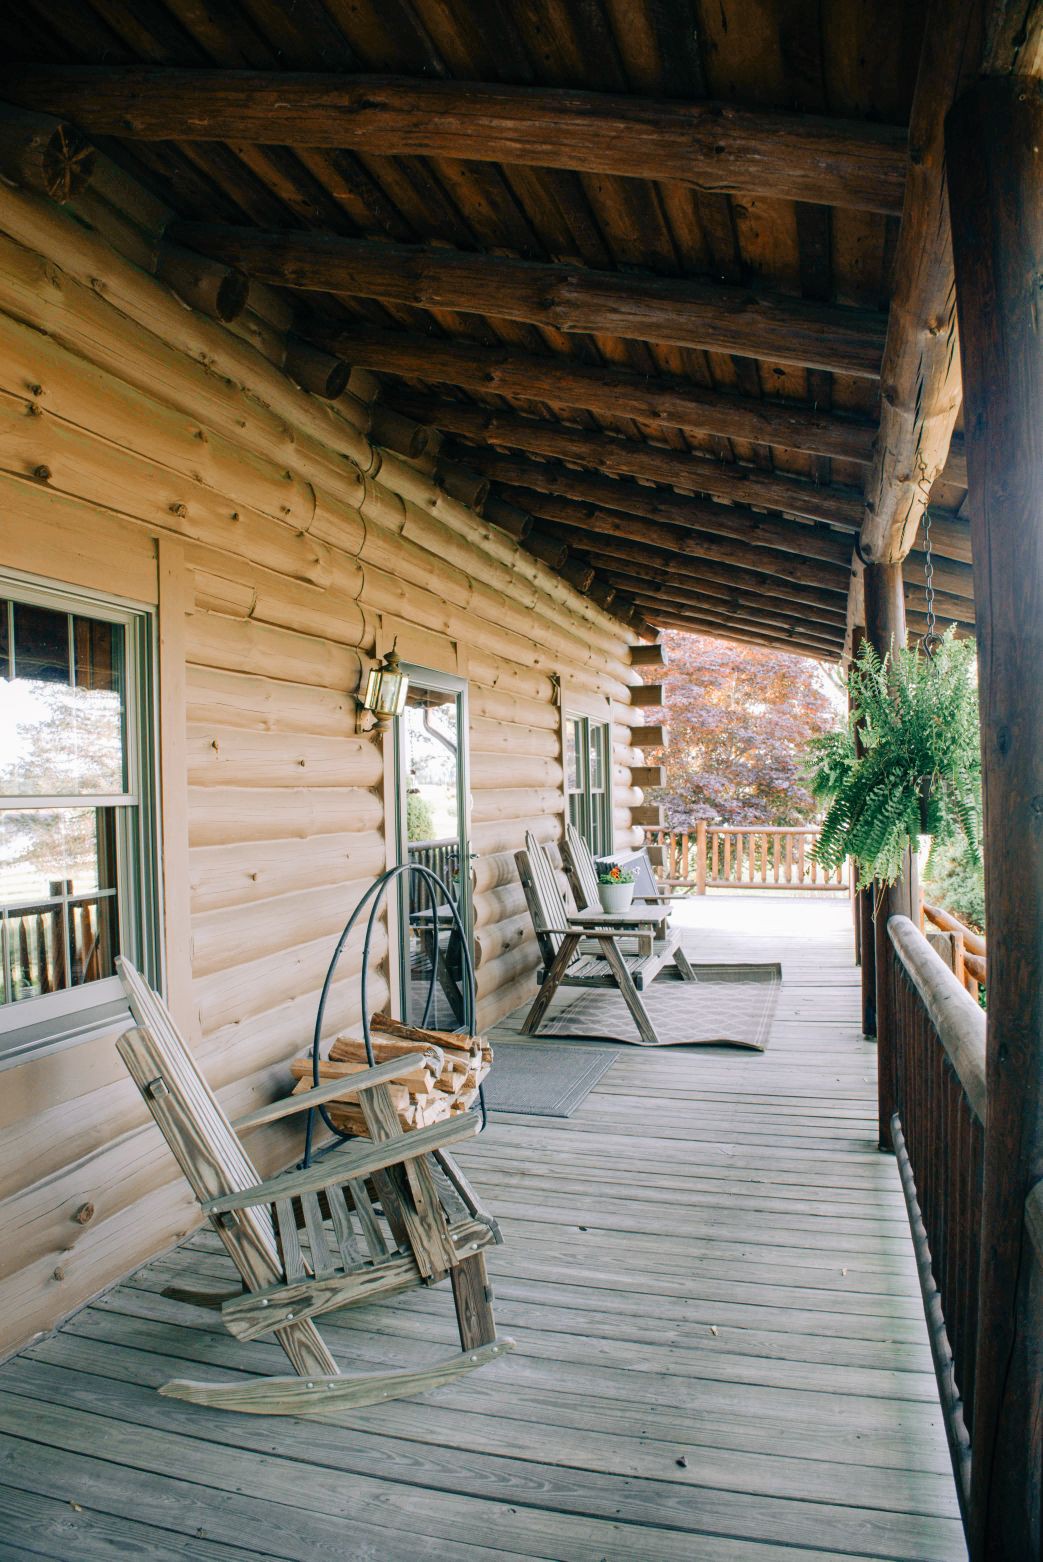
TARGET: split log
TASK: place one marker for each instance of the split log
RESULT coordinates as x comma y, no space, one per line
686,313
709,146
44,154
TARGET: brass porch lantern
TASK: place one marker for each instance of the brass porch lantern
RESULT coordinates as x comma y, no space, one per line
386,690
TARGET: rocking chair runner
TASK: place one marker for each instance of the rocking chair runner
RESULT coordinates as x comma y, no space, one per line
630,948
342,1254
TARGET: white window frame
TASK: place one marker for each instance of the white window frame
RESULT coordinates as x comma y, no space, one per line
586,723
53,1020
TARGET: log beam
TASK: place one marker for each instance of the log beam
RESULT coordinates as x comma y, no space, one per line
699,623
663,401
706,315
950,536
689,525
718,147
920,382
995,171
697,474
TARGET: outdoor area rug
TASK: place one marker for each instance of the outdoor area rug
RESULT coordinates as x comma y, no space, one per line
543,1081
728,1005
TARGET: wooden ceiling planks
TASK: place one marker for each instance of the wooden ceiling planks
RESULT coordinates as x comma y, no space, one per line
764,56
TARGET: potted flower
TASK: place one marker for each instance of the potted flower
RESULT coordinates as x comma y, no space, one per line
915,768
615,888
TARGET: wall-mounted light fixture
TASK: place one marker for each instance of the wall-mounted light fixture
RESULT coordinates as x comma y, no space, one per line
385,694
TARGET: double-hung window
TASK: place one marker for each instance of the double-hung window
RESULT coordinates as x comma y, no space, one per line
77,823
587,766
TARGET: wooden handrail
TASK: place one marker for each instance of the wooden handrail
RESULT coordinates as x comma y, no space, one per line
958,1020
973,942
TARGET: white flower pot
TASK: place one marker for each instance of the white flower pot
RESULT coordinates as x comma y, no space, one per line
615,897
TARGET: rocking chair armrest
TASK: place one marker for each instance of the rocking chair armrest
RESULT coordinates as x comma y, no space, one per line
358,1160
333,1089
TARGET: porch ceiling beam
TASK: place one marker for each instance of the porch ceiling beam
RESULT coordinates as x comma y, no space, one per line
718,147
821,606
678,595
742,544
607,453
649,308
711,614
695,623
950,536
921,388
644,537
658,400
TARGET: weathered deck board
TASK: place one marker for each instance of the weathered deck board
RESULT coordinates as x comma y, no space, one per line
709,1264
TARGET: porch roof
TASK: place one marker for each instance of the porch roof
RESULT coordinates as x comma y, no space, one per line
634,263
721,1348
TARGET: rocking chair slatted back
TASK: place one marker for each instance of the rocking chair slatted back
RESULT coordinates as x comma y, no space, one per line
544,897
583,877
201,1137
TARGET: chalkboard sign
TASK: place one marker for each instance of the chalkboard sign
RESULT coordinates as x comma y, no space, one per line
637,863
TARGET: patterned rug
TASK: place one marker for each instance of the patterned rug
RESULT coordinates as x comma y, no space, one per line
727,1005
543,1081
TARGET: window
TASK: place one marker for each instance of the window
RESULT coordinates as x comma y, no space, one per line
77,885
587,765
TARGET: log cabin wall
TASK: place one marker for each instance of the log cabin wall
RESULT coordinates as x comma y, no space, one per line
152,453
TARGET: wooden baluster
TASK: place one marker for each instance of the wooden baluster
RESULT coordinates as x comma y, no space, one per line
683,872
700,857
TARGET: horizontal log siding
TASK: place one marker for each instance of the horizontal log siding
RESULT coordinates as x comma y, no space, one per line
297,534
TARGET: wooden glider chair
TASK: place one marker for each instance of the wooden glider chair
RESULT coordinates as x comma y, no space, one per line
626,950
311,1240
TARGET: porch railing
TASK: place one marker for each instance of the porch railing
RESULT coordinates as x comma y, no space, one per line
937,1089
759,856
962,949
442,857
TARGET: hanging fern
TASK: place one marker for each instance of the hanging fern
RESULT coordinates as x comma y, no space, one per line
920,767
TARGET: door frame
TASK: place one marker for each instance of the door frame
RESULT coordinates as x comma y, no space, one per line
448,683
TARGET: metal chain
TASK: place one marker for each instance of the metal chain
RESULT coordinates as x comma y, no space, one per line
930,640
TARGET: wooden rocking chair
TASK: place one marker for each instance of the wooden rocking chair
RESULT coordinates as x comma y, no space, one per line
340,1251
592,948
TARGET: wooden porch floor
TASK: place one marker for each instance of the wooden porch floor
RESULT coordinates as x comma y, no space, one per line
721,1349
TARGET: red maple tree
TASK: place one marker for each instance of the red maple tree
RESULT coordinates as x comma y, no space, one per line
738,717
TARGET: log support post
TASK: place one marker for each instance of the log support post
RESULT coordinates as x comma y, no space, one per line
885,629
994,158
864,905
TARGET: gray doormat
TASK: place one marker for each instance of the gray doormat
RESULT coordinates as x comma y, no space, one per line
543,1081
727,1005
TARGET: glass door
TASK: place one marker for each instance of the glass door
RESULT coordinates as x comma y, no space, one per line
431,759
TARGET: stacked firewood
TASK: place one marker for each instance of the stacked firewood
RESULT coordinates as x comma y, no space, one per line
422,1096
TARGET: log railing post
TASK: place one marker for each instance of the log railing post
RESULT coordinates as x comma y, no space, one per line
994,161
700,857
885,629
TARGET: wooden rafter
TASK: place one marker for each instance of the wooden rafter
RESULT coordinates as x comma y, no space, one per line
698,474
716,147
950,536
687,313
663,400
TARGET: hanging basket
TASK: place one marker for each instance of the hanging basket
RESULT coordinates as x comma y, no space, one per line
438,893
